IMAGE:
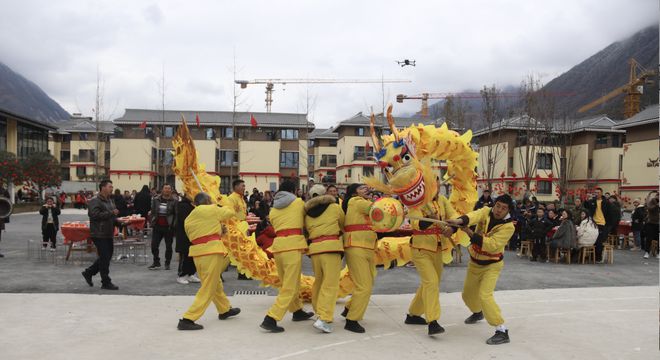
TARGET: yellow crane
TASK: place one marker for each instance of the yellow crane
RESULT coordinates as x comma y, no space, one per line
270,84
633,90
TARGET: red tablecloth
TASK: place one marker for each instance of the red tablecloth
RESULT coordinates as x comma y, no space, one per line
624,228
134,222
76,231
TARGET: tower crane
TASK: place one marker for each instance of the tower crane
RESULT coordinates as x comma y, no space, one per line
638,76
426,96
270,84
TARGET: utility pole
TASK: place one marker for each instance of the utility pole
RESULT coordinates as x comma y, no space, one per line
96,114
162,132
233,127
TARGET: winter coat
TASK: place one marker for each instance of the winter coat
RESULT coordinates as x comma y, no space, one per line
604,206
142,202
564,237
587,233
484,202
102,221
538,228
183,209
638,216
170,212
55,212
324,218
121,205
287,215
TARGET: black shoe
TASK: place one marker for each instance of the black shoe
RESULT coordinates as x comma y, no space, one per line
302,315
435,328
242,277
414,320
271,325
167,266
231,312
154,266
472,319
88,278
187,324
1,256
110,286
500,337
352,325
345,312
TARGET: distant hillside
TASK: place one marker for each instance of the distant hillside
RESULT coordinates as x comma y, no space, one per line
594,77
605,71
21,96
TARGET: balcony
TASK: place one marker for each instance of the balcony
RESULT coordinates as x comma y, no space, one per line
360,156
78,158
328,163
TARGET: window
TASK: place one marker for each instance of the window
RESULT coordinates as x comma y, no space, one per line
166,156
66,138
85,155
81,171
288,134
107,156
210,134
65,155
271,135
310,143
620,163
31,140
544,187
83,136
169,131
288,159
590,164
227,133
359,131
350,173
333,142
544,161
225,185
149,132
510,162
359,153
310,160
66,174
3,134
601,139
616,140
328,160
367,171
228,158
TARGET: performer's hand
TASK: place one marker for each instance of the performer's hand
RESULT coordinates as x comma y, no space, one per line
447,231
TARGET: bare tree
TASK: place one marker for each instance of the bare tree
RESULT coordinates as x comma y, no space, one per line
454,110
494,125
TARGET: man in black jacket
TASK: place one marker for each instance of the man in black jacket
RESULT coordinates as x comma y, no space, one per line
162,219
50,223
537,228
187,268
102,221
484,200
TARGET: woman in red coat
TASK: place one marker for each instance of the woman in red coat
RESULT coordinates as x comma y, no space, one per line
265,235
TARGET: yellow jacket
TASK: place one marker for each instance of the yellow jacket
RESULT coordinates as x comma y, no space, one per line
324,217
357,213
488,242
238,203
291,217
430,242
204,221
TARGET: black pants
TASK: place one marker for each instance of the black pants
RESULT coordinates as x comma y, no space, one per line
603,231
49,234
650,233
186,265
104,248
538,248
158,234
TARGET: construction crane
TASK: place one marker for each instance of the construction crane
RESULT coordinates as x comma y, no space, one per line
633,90
270,84
426,96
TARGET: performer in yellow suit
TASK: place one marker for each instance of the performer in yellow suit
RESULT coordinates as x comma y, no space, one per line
323,221
493,230
210,256
287,216
237,200
359,245
428,241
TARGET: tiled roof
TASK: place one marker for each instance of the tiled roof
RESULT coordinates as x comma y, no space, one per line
84,125
360,119
647,116
323,134
214,118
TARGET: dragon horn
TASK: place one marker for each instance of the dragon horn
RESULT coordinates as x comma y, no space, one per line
374,138
390,120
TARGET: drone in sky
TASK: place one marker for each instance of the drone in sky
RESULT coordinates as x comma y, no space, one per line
406,62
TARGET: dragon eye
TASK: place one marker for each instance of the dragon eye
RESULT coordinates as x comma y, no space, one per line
406,158
389,169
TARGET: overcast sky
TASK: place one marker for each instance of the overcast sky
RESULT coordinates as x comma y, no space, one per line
458,45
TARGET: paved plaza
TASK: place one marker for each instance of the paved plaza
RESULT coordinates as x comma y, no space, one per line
554,311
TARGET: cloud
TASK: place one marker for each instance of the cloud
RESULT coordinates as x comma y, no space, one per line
457,45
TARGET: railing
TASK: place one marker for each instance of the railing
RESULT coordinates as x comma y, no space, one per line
328,163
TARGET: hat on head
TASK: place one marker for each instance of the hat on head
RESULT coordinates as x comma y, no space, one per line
317,190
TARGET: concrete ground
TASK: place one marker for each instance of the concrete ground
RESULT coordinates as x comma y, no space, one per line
585,323
554,311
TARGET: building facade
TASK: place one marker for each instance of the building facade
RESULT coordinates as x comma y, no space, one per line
228,144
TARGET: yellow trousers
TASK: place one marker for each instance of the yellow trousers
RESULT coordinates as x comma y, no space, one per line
478,290
362,269
289,267
209,269
427,298
326,267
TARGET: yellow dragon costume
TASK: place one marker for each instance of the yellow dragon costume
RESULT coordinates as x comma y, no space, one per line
424,143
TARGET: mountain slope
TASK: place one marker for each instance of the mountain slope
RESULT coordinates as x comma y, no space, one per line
21,96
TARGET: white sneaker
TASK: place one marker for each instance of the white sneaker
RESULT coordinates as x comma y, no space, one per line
323,326
51,249
193,278
657,256
646,256
182,280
